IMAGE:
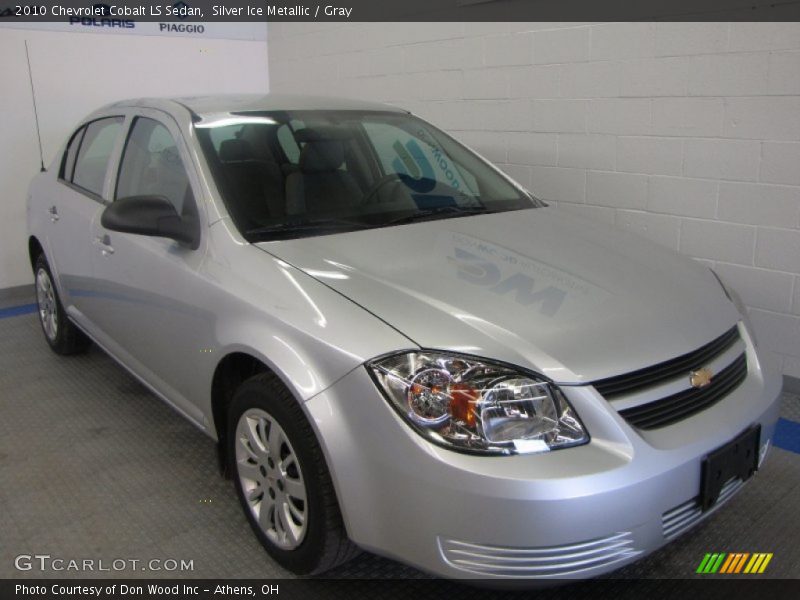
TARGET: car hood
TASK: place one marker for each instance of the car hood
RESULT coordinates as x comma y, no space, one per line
567,297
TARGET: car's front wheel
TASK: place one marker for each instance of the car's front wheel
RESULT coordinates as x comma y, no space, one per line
61,334
282,479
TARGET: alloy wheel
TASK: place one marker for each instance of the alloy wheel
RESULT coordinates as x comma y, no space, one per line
271,478
46,300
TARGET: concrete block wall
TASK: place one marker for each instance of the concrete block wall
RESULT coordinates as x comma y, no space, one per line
686,133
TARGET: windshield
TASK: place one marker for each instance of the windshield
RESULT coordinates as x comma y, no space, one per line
299,173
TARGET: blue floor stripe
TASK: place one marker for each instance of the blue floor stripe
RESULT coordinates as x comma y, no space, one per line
14,311
787,435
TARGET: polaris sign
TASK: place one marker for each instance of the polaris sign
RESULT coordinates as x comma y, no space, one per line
255,32
103,22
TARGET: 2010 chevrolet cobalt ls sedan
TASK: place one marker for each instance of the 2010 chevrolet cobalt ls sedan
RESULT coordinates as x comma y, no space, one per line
397,347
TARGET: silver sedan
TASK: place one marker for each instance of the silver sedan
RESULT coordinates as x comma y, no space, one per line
395,346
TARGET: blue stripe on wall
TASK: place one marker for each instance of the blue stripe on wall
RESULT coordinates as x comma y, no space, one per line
787,435
13,311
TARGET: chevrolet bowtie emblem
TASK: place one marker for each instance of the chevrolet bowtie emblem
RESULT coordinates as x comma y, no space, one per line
700,378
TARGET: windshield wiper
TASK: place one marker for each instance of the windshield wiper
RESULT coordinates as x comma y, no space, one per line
304,227
307,227
431,213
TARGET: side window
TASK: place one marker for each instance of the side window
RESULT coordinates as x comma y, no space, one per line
152,166
94,152
68,162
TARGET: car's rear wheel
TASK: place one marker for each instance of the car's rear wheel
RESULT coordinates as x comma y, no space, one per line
61,334
282,479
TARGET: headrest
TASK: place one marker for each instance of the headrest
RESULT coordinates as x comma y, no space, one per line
321,155
169,156
235,149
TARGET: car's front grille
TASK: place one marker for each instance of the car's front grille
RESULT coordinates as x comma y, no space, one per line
655,397
550,562
683,517
684,404
664,371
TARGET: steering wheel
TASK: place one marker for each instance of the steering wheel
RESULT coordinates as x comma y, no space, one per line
371,196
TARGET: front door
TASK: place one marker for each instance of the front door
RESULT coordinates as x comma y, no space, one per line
149,305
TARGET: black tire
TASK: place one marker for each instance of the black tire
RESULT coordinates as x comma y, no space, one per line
325,543
68,339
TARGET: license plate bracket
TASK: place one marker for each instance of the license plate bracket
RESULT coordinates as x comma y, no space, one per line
737,458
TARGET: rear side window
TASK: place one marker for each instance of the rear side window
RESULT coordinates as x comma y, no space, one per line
94,152
221,134
152,166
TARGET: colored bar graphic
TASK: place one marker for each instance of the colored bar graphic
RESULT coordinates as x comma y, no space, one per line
723,563
703,563
734,562
718,563
728,564
711,563
740,563
756,559
764,564
708,564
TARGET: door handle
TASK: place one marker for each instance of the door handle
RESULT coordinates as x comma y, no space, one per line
105,241
53,214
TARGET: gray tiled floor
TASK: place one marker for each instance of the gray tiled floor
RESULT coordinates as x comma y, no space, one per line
94,466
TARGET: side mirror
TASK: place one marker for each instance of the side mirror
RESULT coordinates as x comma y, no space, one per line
151,215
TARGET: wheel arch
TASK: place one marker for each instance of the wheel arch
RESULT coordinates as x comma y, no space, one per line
231,371
234,368
35,248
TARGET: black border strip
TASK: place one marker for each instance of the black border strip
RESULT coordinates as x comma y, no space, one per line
708,587
202,11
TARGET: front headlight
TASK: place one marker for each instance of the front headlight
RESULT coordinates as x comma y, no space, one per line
472,405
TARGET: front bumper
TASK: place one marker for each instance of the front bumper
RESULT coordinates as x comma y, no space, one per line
572,513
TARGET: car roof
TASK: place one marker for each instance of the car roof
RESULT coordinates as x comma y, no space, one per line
226,103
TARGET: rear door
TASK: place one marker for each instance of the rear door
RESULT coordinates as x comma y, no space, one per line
78,199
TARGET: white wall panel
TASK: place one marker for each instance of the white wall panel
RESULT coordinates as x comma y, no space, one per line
686,133
75,73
